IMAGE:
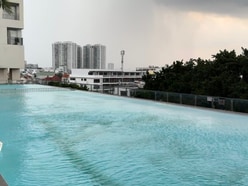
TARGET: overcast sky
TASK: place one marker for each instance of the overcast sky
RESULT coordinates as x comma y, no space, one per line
152,32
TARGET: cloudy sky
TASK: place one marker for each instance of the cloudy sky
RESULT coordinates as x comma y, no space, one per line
152,32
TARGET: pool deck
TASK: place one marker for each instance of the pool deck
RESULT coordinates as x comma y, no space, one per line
2,181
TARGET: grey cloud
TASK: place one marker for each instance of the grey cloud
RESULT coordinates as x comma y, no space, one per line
238,8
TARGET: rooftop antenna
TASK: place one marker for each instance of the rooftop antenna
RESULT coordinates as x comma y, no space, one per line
122,59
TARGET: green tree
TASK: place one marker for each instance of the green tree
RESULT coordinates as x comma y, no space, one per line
5,5
226,75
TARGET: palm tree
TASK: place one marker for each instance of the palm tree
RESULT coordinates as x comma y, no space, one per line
5,5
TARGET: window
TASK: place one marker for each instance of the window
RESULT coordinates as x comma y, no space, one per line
96,80
123,93
96,86
14,15
73,79
14,36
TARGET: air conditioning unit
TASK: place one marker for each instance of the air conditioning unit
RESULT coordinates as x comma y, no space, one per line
17,40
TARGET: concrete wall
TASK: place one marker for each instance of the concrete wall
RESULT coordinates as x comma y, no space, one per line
11,56
3,75
14,74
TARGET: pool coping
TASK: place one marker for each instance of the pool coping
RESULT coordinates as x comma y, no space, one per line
2,181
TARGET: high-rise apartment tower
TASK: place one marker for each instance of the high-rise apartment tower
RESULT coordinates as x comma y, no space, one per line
66,55
94,56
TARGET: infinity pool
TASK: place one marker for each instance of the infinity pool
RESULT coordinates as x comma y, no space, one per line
60,137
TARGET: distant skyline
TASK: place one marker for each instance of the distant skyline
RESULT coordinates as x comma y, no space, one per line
152,32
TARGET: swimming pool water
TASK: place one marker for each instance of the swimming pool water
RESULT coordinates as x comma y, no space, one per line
61,138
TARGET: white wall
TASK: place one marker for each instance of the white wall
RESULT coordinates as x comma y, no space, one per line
11,56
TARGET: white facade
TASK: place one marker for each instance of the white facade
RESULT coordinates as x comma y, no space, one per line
11,43
100,79
66,55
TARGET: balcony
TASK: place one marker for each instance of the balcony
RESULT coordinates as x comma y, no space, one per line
10,16
15,41
14,15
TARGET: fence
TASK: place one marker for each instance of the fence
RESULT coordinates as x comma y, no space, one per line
229,104
11,82
24,90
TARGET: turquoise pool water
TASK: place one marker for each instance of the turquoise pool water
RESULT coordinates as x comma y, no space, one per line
61,138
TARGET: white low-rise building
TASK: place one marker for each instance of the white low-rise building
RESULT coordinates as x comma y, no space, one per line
104,80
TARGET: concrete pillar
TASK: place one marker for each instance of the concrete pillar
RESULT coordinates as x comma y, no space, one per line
14,74
3,75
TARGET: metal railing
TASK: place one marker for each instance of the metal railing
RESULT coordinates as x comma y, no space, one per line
222,103
11,81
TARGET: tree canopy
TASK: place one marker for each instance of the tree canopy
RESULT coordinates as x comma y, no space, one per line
5,5
226,75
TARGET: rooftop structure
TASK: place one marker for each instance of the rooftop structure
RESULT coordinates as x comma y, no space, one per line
102,79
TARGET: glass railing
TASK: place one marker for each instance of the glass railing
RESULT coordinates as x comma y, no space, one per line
15,41
222,103
10,16
14,14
